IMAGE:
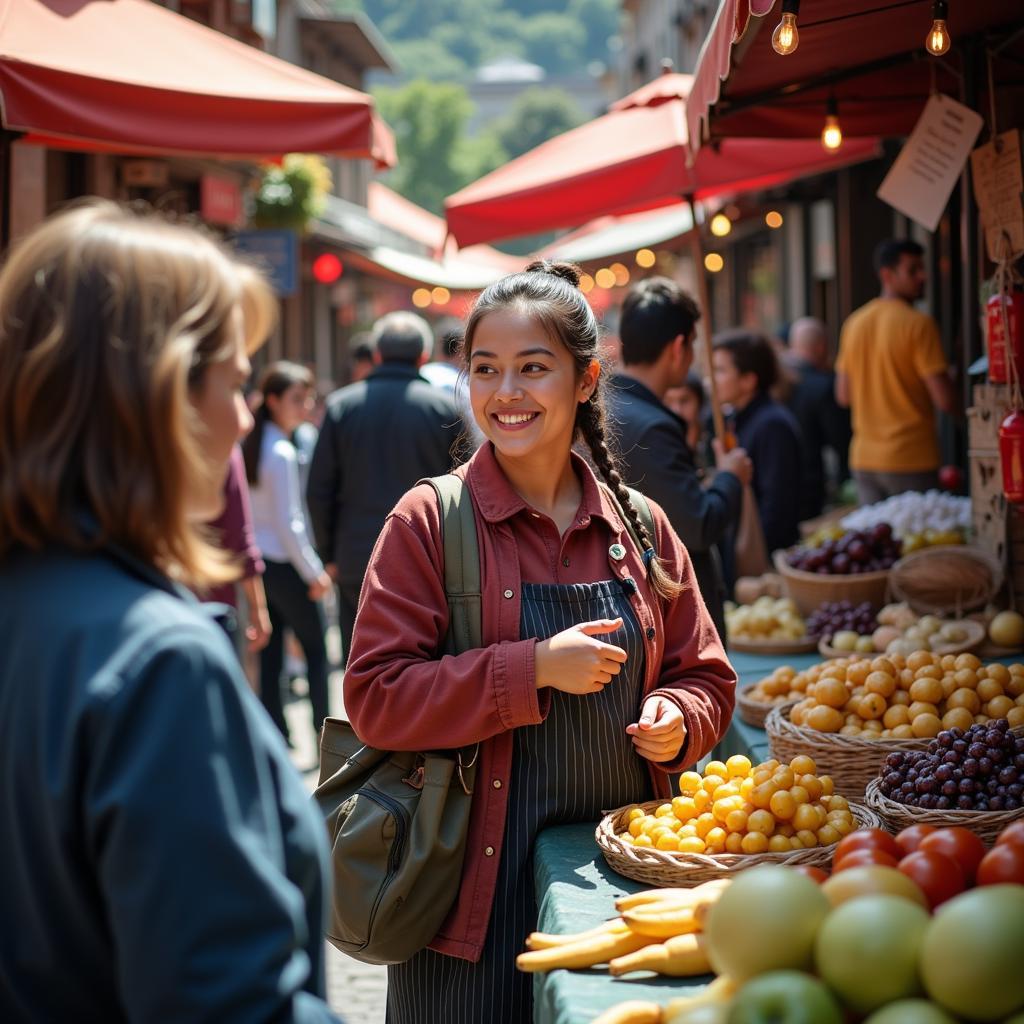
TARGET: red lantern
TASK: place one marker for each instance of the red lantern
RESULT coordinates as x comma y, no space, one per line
327,268
1011,456
1004,312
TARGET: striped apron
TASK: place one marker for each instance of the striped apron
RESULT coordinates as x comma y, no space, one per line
572,767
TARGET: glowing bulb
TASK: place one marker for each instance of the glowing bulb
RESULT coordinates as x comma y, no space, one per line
645,258
421,298
938,41
605,278
786,38
621,274
831,134
720,225
586,283
713,262
773,219
440,295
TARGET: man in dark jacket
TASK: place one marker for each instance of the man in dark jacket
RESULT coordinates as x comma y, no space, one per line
379,436
824,424
657,329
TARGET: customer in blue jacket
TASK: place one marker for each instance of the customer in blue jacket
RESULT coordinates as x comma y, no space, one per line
746,369
160,858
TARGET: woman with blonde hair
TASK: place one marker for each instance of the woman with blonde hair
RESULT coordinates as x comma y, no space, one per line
161,860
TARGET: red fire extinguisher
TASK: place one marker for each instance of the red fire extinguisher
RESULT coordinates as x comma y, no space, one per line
1011,455
1004,335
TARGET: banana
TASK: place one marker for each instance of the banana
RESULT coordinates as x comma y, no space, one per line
584,952
681,956
718,993
548,940
661,920
636,1011
682,897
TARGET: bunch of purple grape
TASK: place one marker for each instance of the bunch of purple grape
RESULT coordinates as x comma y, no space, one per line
981,769
833,616
855,552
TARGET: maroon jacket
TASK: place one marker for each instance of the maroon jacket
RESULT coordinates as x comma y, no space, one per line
233,527
400,696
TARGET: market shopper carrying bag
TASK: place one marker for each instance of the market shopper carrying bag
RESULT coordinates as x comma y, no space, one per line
598,672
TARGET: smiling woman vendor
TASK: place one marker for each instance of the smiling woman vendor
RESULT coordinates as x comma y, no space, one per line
602,671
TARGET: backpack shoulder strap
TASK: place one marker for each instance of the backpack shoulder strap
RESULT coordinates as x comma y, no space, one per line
643,508
461,563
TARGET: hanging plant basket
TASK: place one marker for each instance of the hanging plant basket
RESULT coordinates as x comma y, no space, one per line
292,193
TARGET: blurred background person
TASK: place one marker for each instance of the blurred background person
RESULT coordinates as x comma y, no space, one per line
294,578
363,357
892,374
234,530
379,436
161,858
689,402
824,424
657,328
445,372
746,370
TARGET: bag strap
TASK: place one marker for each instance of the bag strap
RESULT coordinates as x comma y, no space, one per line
643,507
461,563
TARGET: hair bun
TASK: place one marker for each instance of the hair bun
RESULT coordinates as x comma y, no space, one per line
566,271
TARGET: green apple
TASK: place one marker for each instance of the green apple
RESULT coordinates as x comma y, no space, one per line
784,997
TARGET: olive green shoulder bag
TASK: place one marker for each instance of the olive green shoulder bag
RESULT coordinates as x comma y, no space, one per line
397,821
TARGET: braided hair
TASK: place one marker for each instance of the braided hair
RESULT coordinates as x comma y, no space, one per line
549,292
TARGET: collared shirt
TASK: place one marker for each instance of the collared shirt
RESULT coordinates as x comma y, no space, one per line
278,517
400,696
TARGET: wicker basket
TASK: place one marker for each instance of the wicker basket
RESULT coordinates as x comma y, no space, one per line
753,712
664,867
851,761
896,816
809,590
947,589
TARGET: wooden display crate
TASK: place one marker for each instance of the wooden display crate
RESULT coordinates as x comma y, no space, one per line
989,515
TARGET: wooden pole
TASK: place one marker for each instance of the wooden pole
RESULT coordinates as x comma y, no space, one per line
707,330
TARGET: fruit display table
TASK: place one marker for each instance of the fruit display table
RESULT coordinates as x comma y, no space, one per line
576,890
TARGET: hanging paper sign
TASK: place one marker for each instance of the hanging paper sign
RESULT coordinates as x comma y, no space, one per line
922,177
999,191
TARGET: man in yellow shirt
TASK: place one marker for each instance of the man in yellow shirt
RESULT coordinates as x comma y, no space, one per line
893,375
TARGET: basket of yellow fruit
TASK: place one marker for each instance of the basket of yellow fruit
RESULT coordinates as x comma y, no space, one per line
754,702
768,626
850,713
731,817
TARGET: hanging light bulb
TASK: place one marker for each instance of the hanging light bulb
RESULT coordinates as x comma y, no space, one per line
832,134
786,38
938,41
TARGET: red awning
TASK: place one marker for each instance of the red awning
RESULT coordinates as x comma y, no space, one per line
130,76
631,159
869,57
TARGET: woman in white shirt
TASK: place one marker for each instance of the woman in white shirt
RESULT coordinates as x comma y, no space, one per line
294,578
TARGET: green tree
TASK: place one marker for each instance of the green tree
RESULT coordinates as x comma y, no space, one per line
536,116
556,42
600,21
435,158
428,58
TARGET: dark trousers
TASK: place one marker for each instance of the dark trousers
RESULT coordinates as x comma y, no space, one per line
290,608
348,602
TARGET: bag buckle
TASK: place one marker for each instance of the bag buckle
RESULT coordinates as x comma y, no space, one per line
415,777
459,767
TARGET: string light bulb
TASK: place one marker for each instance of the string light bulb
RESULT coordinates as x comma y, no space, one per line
720,225
832,133
938,41
786,37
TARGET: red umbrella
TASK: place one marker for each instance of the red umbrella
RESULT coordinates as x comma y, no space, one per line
130,76
869,58
633,158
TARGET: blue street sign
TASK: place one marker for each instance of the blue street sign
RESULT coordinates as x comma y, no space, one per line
276,253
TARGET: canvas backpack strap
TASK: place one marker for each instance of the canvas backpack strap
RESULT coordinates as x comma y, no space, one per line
643,508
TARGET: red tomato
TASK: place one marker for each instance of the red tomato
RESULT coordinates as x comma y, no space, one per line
1013,833
1003,863
937,875
958,844
813,873
860,858
866,839
910,838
